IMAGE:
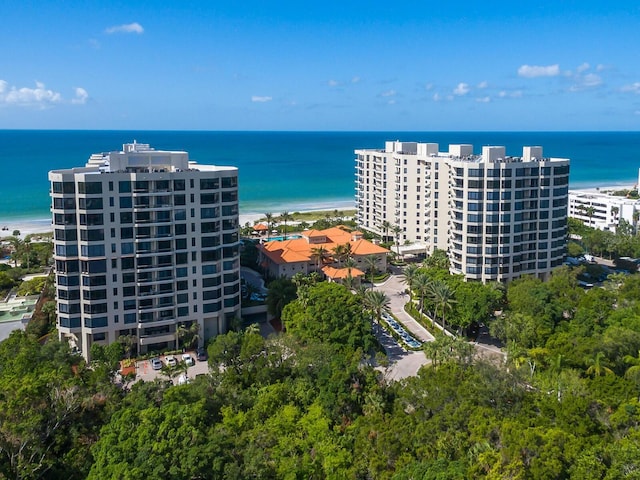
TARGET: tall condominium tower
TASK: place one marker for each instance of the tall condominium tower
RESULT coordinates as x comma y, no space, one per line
497,216
145,241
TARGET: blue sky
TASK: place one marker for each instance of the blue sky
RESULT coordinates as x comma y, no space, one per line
349,65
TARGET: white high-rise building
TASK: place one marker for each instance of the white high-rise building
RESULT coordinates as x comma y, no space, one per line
497,216
145,241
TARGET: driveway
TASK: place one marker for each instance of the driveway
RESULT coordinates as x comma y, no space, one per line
402,363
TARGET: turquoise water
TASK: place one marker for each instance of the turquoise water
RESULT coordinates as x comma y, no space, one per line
281,237
287,170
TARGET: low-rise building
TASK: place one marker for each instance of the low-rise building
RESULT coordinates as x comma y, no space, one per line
322,251
602,210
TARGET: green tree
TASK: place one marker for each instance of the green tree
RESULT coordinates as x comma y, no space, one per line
285,216
377,303
443,298
397,230
269,218
422,286
332,314
281,291
597,365
409,275
320,254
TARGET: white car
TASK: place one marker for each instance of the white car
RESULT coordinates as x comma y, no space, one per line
170,360
156,364
188,359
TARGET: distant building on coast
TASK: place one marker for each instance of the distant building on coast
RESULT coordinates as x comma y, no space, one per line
497,216
602,210
145,241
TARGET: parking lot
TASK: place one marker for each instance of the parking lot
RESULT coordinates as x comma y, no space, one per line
146,373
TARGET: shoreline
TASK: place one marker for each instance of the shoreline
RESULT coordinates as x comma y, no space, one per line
34,225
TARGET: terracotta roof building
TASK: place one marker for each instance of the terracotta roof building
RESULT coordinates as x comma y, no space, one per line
322,251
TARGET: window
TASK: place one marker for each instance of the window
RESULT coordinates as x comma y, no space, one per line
209,183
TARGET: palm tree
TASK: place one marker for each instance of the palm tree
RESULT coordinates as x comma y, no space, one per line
319,253
633,372
49,309
397,229
636,217
27,249
372,266
422,284
342,252
410,273
127,341
349,263
17,246
269,217
589,211
284,216
442,295
377,303
597,365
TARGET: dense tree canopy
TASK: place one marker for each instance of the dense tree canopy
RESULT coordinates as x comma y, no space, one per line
307,404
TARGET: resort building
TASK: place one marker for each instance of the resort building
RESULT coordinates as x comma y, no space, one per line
145,241
335,253
602,210
497,216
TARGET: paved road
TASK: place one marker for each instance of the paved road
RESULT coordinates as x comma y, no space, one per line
402,363
407,363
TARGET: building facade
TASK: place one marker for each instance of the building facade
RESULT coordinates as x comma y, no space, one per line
145,241
601,210
497,216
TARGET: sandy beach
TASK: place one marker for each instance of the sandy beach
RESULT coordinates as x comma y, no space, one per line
32,226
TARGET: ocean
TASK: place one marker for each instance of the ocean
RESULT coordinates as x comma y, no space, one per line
291,171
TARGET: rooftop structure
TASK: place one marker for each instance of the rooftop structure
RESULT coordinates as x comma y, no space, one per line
145,241
498,216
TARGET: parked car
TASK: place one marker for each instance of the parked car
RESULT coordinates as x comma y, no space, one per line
170,360
188,359
202,355
156,364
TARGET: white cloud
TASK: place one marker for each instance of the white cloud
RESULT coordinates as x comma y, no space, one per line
428,86
632,88
391,102
260,99
436,97
388,93
600,67
355,79
483,84
39,96
512,94
591,80
532,71
486,99
333,83
637,112
81,96
134,27
583,68
461,89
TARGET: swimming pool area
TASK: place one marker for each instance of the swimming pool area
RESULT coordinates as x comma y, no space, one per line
279,238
